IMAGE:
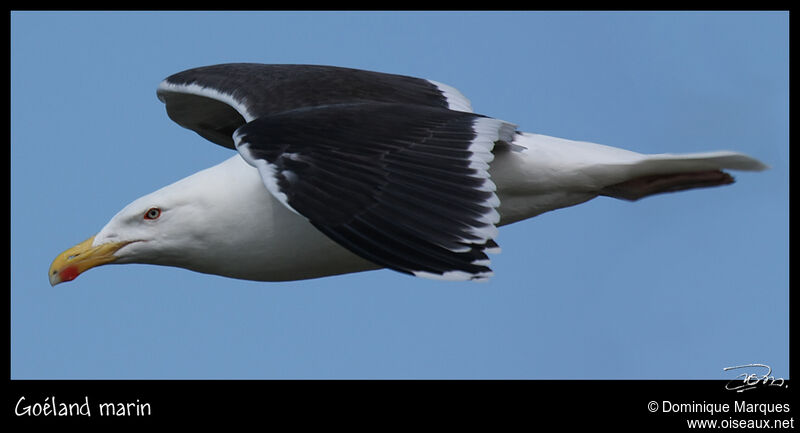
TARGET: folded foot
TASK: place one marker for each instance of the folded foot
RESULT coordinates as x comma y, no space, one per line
644,186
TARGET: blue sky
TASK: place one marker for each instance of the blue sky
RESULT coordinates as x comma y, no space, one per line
675,286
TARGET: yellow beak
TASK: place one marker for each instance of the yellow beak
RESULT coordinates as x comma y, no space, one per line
74,261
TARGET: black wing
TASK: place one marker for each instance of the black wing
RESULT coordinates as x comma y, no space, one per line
215,100
405,186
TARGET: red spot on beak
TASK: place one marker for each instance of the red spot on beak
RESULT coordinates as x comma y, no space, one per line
69,273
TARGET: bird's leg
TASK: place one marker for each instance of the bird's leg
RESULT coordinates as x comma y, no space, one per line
644,186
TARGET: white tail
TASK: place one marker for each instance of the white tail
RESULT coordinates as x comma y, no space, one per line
540,173
681,163
660,173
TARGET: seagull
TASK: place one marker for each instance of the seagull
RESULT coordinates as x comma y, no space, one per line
341,170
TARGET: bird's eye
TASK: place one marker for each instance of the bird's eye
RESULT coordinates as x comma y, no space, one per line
152,213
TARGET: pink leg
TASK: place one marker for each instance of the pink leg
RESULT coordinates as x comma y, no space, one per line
644,186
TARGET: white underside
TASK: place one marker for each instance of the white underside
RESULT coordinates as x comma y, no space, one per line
538,174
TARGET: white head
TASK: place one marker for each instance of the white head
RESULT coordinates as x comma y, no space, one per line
185,224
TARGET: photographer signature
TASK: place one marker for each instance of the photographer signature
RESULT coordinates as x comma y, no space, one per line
752,380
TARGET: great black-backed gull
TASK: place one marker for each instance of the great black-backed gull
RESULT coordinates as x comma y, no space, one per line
342,170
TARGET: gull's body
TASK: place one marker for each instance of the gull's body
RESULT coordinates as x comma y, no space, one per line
240,218
287,245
